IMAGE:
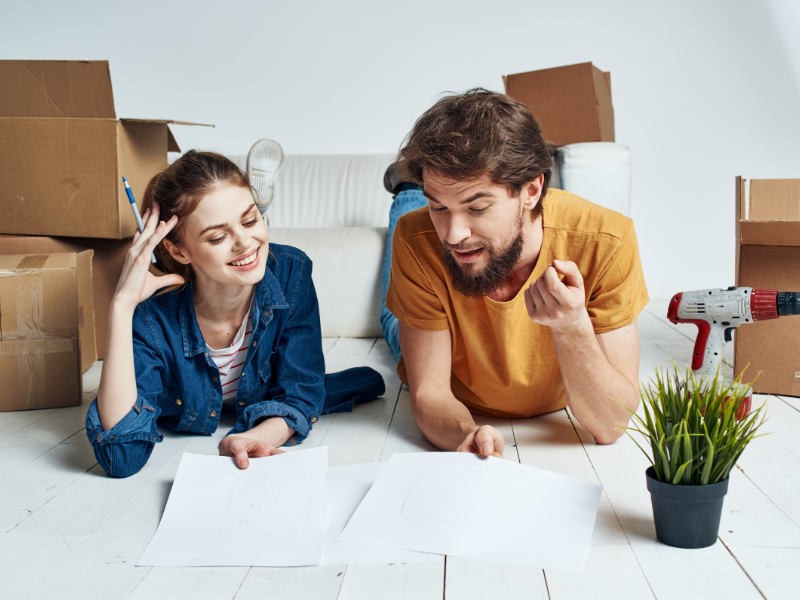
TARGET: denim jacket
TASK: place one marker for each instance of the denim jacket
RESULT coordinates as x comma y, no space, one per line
178,383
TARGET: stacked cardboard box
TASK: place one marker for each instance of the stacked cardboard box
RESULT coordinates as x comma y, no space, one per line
572,104
63,152
767,255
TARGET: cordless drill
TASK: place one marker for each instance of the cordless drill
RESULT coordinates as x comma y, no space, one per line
718,312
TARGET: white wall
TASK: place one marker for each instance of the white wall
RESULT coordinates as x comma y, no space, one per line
703,90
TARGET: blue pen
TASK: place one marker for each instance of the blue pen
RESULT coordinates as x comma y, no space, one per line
136,211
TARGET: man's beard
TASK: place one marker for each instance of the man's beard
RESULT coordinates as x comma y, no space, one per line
496,271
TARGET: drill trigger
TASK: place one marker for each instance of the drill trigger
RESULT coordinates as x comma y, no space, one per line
728,336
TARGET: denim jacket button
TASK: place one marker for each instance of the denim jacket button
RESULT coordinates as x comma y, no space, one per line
213,413
241,403
254,344
214,379
178,402
313,419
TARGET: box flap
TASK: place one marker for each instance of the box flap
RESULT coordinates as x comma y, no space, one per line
770,233
172,143
774,200
168,122
56,88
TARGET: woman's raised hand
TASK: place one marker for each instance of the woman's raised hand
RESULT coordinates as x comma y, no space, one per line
136,283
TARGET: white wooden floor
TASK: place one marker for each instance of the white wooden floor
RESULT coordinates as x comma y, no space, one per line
68,531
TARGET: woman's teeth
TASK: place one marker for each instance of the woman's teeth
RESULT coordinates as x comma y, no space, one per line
245,261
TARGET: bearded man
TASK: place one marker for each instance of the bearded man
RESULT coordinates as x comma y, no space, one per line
505,298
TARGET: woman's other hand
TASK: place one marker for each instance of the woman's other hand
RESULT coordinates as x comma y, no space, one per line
242,449
136,283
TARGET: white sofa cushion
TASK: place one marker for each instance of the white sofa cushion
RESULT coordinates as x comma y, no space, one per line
330,190
347,275
599,172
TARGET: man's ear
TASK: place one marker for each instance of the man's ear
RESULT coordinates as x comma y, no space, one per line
532,192
176,252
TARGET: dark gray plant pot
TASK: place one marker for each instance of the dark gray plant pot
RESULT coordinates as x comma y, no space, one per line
686,516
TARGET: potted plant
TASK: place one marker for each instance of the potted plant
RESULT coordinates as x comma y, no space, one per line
697,430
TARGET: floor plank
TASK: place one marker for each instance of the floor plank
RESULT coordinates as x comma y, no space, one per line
774,570
417,581
27,490
24,446
609,567
359,436
472,579
12,422
319,583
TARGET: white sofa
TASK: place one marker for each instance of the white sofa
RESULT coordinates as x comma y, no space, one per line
335,209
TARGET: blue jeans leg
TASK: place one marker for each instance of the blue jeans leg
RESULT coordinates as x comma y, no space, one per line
404,202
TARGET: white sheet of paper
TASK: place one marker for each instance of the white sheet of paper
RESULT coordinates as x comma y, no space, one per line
270,514
480,508
347,486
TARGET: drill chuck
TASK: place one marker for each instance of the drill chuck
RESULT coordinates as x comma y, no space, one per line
788,303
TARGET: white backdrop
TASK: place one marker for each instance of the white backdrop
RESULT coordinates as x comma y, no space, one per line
703,90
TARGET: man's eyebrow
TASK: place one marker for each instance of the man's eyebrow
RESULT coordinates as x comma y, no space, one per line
477,196
221,225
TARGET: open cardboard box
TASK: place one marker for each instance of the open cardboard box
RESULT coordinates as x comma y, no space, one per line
572,103
46,329
63,151
768,257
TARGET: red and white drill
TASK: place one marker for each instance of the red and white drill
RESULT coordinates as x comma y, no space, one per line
718,312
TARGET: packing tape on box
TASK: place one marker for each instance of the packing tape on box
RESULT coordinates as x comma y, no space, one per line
27,265
33,262
21,347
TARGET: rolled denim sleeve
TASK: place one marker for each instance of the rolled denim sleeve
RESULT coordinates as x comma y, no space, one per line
296,389
125,448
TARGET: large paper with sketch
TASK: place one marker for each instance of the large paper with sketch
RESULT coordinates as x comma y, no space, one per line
347,486
270,514
481,508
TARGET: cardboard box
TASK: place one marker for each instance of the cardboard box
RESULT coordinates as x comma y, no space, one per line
46,329
572,104
63,152
768,257
109,258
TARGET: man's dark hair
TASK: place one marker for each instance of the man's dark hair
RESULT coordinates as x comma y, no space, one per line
465,136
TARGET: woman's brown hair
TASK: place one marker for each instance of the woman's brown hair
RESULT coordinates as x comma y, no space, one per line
465,136
178,190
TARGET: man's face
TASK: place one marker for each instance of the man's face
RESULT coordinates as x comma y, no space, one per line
480,227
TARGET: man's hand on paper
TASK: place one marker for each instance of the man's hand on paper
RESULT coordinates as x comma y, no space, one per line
242,449
554,303
484,441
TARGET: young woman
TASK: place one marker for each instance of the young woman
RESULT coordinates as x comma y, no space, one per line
238,327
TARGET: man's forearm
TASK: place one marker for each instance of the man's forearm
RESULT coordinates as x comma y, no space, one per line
593,386
444,421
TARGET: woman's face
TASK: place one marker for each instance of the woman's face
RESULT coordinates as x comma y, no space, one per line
225,238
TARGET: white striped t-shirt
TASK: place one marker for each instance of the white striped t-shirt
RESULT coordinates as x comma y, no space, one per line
230,361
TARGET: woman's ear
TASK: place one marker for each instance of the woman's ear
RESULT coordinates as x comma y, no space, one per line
176,252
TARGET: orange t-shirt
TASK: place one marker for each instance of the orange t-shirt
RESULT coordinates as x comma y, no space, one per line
504,364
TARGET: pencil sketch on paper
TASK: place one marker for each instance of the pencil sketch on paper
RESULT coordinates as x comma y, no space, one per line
455,492
269,506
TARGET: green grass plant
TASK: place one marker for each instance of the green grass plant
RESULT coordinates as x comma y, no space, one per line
691,425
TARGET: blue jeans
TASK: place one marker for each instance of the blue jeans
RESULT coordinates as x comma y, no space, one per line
405,201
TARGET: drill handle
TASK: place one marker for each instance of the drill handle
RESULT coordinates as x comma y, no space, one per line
707,348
